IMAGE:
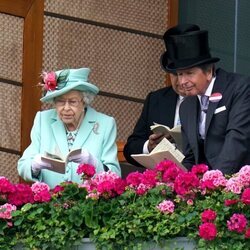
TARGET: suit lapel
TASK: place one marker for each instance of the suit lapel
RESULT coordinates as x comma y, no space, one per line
219,87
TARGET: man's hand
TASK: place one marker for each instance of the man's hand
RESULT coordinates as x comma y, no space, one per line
155,139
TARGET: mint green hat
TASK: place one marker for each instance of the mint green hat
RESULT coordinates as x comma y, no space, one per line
62,81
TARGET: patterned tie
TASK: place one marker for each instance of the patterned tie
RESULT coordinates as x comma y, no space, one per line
202,122
204,103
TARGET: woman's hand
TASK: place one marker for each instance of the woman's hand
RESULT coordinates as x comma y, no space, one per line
84,157
38,164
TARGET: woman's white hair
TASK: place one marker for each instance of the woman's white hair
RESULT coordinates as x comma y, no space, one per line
88,97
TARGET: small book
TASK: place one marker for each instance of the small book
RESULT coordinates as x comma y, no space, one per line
165,150
58,162
175,132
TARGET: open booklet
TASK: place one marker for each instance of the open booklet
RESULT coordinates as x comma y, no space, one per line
58,162
175,132
165,150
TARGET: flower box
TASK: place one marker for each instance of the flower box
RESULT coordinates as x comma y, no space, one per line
164,203
176,243
182,243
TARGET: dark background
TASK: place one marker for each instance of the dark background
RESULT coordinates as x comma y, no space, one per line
227,22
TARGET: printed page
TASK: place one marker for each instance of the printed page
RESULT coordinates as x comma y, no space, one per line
58,164
166,145
165,150
175,132
73,153
146,160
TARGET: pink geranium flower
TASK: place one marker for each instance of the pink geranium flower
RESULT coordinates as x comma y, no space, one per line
142,189
245,197
199,169
6,210
190,202
244,175
149,177
57,189
171,173
6,186
42,196
104,184
228,203
207,231
167,206
106,188
208,215
247,233
86,169
213,179
237,223
22,195
134,179
41,192
185,183
164,165
234,185
39,186
119,186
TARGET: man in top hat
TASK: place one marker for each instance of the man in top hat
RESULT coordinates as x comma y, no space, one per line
160,106
215,115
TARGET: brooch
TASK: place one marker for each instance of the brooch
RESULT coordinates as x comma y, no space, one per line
95,128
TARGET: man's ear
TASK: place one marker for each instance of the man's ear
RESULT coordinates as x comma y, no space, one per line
210,74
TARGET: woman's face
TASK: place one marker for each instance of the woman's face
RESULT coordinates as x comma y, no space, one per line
70,108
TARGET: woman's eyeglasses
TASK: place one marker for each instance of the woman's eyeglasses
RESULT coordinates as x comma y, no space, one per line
71,102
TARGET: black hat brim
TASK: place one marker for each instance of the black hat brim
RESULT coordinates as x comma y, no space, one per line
173,67
164,61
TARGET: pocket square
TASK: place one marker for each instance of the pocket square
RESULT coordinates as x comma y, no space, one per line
220,109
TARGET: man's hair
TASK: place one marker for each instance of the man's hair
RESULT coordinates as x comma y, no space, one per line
207,67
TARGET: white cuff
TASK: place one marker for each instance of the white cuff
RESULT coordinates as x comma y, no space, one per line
145,148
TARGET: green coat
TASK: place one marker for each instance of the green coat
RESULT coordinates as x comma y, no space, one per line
97,134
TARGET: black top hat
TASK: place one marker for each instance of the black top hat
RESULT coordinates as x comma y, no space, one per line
187,47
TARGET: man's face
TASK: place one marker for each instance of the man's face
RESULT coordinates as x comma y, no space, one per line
176,85
194,81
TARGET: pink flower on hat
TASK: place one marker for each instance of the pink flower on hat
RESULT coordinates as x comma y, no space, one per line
50,80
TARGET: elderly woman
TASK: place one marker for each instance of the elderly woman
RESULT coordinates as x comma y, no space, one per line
71,125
